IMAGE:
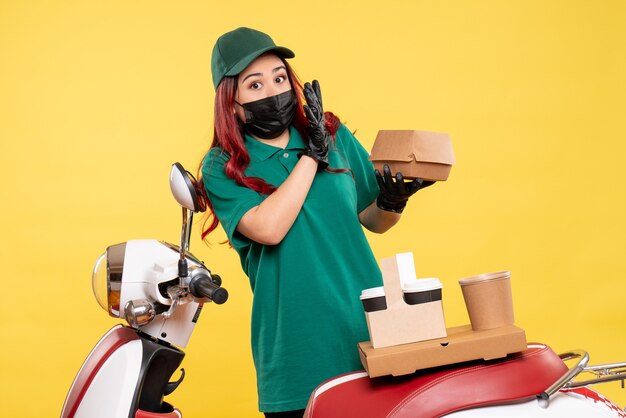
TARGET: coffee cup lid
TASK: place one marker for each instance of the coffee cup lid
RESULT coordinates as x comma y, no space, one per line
486,277
373,292
421,285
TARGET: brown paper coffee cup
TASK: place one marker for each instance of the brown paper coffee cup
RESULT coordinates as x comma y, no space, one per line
488,300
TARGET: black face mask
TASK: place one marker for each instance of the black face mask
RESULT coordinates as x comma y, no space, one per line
268,118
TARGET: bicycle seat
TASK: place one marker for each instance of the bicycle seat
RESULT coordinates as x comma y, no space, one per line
438,391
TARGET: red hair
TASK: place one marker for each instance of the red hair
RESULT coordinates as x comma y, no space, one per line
228,135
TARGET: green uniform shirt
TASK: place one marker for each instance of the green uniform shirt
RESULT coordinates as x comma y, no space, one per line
306,316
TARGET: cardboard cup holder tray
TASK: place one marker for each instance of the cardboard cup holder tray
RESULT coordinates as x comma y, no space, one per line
406,337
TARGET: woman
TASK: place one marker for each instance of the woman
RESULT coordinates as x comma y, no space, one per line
292,187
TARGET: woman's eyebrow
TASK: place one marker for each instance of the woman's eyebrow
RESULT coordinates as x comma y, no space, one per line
282,67
251,75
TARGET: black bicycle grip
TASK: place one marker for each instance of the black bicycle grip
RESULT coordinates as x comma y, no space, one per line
204,287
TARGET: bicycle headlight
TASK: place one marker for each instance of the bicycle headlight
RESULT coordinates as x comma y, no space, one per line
107,278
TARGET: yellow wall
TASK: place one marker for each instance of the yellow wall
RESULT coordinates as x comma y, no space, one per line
97,99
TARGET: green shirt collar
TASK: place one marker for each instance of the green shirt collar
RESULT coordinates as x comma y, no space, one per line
263,151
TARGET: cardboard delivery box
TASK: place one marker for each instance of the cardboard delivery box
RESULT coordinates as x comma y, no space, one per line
427,155
461,344
405,309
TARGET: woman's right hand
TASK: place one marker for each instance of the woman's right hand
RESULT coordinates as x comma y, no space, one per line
269,222
319,138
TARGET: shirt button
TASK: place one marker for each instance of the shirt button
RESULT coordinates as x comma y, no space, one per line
286,155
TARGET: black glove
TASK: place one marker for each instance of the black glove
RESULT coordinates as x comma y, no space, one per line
319,138
394,194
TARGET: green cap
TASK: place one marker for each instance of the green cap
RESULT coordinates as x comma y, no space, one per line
235,50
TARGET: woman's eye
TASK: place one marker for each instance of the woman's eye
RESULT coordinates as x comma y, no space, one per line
255,85
280,79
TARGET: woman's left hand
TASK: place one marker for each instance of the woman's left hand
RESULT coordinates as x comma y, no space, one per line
395,192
